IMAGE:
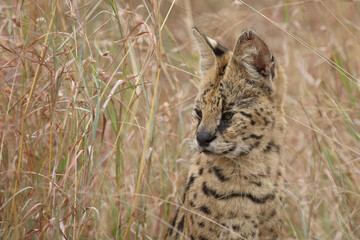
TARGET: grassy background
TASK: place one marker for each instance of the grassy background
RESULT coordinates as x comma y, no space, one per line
95,107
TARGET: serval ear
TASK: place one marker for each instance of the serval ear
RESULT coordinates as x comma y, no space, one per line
210,51
252,53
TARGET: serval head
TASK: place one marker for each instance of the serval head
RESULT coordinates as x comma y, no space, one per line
238,110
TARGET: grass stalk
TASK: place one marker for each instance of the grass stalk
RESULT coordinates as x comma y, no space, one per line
13,209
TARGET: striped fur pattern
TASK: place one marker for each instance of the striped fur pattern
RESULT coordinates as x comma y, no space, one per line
234,185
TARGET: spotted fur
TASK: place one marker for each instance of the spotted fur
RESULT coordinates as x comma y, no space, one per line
234,188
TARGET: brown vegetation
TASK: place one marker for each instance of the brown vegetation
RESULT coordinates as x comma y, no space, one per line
95,106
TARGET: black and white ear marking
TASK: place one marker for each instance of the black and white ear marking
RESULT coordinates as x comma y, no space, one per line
216,47
211,42
209,50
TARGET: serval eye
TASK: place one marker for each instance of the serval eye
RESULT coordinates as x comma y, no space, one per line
198,113
227,116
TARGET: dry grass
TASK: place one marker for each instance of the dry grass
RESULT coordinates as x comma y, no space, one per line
95,109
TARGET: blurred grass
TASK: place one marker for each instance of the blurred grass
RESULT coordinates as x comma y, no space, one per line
95,112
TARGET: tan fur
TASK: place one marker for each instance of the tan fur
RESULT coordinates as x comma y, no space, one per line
235,182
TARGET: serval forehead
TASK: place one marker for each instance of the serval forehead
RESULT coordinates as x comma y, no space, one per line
224,89
210,97
216,94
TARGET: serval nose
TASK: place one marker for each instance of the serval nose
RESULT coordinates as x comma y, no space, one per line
204,138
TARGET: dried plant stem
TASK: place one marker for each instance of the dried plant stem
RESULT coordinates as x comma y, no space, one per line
13,209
